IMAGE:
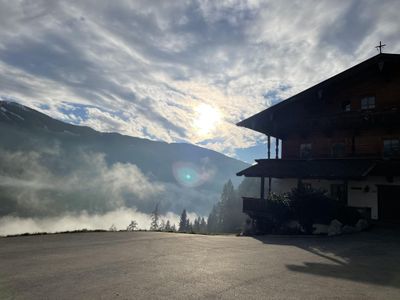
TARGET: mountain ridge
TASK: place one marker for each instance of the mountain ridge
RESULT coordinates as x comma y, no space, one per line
191,174
4,103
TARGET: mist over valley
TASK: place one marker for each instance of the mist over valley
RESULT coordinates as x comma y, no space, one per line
56,176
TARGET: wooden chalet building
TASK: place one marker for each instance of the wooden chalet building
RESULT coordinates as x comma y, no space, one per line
342,135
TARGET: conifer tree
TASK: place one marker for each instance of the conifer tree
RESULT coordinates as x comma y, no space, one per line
162,226
212,223
226,215
203,226
196,225
183,223
227,206
189,226
132,226
168,226
173,228
155,218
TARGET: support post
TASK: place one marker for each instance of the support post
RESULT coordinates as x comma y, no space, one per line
262,188
269,185
269,147
276,148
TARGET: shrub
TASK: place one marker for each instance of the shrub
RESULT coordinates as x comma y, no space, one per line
278,210
311,206
277,213
307,206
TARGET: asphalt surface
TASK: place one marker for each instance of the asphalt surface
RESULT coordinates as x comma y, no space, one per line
140,265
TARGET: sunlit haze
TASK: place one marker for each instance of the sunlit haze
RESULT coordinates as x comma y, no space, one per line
207,120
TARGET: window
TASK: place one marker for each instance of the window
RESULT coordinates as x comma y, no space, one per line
338,150
391,147
305,150
368,102
346,105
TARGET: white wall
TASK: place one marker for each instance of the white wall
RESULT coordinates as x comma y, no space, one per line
362,198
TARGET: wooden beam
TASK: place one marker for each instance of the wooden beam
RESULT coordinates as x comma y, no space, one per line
262,188
276,148
269,147
269,185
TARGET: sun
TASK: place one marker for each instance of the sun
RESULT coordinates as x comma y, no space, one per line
206,119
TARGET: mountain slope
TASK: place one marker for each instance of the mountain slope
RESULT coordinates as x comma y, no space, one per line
77,168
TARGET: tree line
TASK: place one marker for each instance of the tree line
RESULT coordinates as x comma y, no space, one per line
225,217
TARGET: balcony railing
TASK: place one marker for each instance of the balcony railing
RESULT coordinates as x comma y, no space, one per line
254,205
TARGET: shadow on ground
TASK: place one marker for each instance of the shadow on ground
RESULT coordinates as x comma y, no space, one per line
371,257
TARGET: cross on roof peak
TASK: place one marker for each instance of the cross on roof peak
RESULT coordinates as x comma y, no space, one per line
380,46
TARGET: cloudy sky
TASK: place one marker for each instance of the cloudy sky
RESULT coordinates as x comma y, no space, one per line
181,71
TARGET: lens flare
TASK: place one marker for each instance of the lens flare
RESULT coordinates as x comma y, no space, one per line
188,174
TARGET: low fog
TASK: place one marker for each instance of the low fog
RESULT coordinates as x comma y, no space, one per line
120,218
53,190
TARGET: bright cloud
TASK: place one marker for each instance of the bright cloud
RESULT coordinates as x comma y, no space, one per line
144,68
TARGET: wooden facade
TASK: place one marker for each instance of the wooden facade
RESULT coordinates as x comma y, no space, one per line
354,115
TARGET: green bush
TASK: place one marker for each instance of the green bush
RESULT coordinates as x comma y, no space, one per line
307,206
310,206
279,210
277,213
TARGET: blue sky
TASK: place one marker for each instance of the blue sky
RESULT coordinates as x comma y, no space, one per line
181,70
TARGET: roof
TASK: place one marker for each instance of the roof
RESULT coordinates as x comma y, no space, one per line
264,121
316,168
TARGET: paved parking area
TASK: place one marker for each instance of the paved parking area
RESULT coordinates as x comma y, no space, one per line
147,265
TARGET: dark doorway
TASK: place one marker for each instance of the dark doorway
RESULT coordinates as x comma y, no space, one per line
389,203
339,192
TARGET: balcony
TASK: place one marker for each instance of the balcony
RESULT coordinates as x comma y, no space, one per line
328,122
254,205
355,120
330,169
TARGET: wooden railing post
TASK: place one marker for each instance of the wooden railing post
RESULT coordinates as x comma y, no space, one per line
269,186
262,188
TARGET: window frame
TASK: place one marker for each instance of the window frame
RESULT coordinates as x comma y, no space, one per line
368,102
393,150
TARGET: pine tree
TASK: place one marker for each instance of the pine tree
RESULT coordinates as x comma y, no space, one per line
189,226
132,226
183,223
196,225
212,222
162,226
173,228
203,226
226,215
168,226
154,219
227,207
